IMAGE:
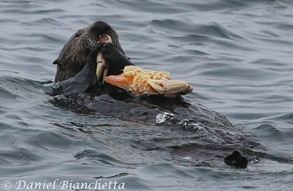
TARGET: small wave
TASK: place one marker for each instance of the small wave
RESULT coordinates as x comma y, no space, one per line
20,92
102,158
19,156
288,117
46,21
148,6
51,141
212,29
268,130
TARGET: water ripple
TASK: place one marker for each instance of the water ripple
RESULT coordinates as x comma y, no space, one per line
236,54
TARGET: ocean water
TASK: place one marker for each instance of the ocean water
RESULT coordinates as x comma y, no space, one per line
237,55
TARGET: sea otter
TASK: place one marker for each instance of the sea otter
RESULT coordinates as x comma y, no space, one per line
76,73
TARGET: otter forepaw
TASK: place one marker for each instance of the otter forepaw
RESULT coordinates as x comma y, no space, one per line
111,54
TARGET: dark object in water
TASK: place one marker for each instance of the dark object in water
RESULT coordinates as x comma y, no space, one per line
236,160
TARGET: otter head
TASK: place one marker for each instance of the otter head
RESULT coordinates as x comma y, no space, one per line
75,52
97,29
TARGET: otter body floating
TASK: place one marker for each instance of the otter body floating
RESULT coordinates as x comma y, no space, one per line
140,81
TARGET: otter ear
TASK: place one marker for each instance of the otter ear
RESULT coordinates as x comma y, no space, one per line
58,61
79,32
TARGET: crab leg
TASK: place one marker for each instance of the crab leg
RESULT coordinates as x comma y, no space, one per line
102,65
169,87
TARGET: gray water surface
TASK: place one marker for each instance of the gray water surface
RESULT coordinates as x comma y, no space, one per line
236,54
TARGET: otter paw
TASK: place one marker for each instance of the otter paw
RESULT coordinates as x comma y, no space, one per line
112,54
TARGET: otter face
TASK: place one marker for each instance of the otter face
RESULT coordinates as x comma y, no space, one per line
101,28
75,52
94,31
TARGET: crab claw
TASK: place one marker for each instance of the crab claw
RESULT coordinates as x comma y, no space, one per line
120,81
170,87
102,66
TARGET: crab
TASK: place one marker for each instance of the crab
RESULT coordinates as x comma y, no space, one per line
140,81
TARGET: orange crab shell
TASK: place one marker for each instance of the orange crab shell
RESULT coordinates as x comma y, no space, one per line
146,82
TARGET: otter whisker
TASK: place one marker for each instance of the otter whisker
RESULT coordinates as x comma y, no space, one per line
89,43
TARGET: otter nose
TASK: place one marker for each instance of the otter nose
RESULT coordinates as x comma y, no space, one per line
100,27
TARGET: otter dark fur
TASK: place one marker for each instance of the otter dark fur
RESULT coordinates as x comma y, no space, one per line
75,52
